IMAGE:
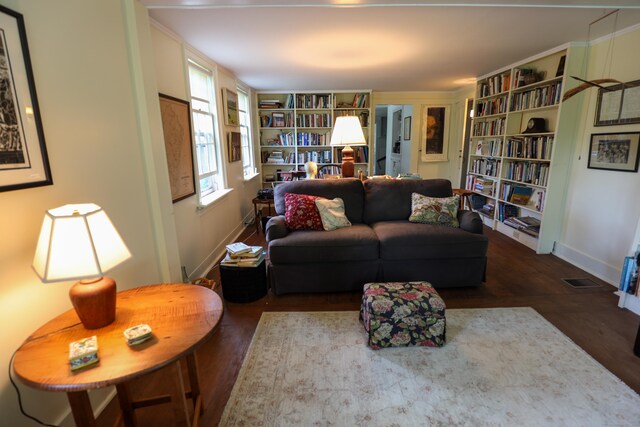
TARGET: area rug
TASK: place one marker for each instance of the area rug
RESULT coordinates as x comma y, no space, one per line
504,366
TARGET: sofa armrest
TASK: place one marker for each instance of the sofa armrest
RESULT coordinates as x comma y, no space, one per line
276,228
470,221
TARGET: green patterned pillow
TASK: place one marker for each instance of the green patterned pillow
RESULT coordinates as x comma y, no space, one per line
435,210
332,213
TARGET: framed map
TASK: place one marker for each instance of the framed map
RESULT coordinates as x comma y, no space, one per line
176,126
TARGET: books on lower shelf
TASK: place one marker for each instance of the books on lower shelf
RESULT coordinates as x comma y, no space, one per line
249,256
527,224
630,280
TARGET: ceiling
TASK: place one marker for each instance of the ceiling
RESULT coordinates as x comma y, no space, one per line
387,46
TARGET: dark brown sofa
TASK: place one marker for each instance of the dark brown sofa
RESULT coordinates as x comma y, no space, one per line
381,245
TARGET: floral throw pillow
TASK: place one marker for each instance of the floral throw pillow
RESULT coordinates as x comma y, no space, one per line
300,212
332,213
435,210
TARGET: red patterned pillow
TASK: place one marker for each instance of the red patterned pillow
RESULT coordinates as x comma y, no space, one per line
301,213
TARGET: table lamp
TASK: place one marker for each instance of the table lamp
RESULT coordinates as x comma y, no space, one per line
80,242
347,132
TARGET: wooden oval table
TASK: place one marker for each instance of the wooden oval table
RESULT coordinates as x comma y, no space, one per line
182,318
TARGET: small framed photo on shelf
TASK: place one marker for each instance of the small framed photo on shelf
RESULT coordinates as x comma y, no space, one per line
618,104
234,146
614,151
230,101
407,128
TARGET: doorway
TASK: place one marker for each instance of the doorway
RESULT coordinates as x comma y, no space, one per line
392,148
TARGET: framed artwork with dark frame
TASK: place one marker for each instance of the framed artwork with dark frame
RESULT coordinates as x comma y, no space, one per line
176,127
618,104
435,137
23,154
614,151
407,128
234,146
230,101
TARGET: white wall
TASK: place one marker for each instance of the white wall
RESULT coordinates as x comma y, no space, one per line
86,93
405,146
455,100
603,207
202,234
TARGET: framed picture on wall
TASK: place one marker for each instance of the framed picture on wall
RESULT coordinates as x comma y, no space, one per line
230,101
234,146
407,128
614,151
176,127
435,135
23,154
618,104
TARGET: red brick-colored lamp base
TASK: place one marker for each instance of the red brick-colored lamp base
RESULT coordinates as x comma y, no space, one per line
94,301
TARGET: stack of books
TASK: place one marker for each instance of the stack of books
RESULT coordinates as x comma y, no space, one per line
269,103
275,157
83,352
527,224
242,255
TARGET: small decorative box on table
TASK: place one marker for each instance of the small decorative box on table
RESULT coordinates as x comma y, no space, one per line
243,284
399,314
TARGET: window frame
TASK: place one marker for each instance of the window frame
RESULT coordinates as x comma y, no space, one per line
249,170
208,196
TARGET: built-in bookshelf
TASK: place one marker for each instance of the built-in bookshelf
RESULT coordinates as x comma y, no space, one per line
629,291
295,127
521,145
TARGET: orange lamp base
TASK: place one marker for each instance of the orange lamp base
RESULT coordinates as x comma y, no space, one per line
347,162
94,301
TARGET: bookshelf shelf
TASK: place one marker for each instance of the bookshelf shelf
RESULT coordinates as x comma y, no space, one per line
310,116
526,162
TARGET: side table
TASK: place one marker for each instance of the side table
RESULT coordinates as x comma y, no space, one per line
243,284
182,318
258,203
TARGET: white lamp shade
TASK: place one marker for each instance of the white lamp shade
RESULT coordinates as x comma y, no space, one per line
347,131
77,242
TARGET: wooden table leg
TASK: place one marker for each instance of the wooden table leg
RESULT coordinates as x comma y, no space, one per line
81,408
178,398
192,368
126,405
255,216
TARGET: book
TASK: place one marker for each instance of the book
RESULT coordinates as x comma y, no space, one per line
520,195
83,352
627,271
238,248
254,252
243,262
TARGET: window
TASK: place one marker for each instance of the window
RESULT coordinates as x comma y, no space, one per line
248,162
203,109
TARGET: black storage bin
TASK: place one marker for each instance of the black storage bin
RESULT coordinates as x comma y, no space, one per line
243,284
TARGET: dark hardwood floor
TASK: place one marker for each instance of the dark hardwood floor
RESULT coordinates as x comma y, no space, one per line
516,277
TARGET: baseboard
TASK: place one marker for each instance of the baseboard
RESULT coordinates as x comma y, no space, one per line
218,252
598,268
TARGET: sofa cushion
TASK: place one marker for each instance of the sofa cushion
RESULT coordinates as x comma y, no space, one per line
404,240
332,213
390,199
435,210
355,243
349,190
301,212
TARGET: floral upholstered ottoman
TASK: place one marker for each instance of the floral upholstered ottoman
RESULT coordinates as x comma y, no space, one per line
400,314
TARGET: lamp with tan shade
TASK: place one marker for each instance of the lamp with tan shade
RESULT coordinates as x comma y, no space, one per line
347,132
80,242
